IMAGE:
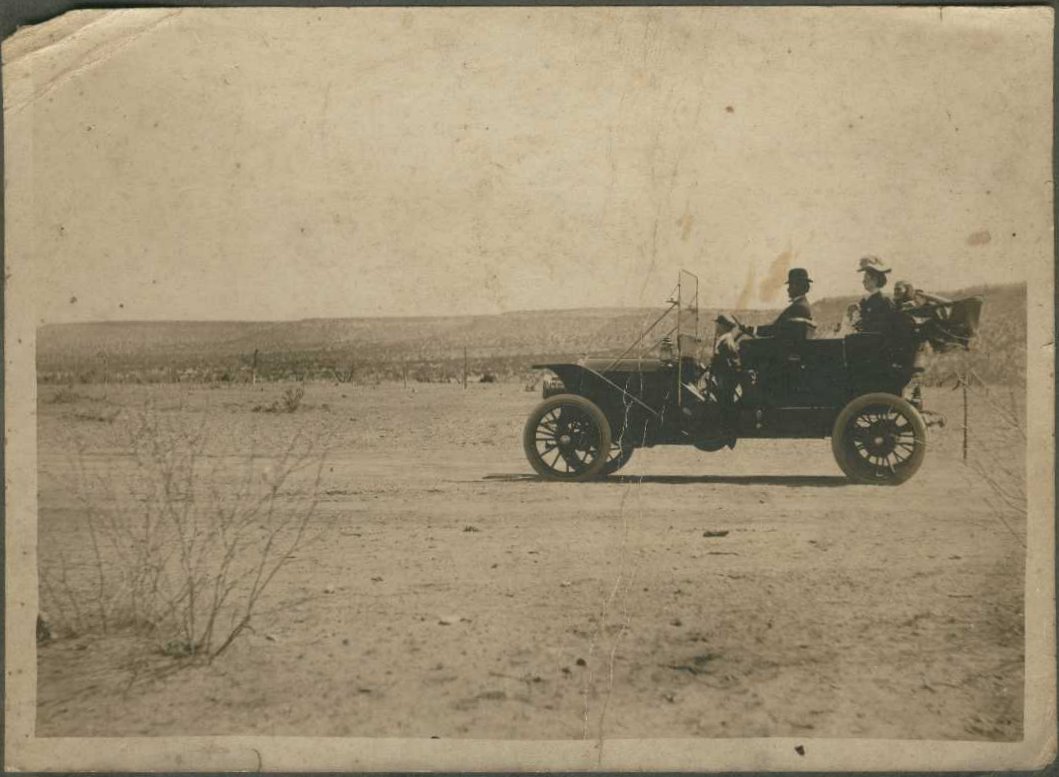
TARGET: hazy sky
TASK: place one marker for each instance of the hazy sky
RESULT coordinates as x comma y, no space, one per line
288,163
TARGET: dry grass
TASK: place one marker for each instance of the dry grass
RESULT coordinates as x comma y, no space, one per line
996,454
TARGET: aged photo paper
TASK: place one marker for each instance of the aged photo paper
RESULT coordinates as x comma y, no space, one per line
510,388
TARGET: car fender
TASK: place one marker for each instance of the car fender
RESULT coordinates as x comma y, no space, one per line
593,385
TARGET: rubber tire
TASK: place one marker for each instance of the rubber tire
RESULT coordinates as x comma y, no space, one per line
613,465
529,437
847,458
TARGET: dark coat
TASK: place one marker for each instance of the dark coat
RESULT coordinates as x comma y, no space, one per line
795,321
876,313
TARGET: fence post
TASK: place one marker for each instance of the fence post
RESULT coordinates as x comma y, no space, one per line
253,369
961,382
964,384
465,366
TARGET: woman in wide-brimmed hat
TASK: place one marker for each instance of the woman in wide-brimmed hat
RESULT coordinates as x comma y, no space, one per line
875,309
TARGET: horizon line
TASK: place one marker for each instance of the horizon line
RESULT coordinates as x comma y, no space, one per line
520,311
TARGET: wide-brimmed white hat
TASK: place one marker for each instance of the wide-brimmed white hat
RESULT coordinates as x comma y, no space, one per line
873,263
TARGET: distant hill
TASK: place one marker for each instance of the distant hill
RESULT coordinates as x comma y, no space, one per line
431,348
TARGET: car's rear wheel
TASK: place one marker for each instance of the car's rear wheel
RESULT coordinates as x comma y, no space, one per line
567,437
618,458
879,439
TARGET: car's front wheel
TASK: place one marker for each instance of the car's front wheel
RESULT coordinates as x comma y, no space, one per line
567,437
880,439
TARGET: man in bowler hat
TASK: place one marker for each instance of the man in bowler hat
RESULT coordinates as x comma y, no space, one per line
796,320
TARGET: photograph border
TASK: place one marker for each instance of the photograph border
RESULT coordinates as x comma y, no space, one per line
25,752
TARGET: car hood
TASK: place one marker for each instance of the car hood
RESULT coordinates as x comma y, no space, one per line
604,364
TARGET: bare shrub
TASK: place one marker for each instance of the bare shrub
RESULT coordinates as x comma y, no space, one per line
64,396
177,540
288,403
292,398
996,448
102,416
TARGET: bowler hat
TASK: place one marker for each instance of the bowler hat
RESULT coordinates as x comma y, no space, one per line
872,263
798,275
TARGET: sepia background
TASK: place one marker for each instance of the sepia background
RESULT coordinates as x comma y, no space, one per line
283,275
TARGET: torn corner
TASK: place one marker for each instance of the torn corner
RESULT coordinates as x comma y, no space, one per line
30,39
49,53
77,31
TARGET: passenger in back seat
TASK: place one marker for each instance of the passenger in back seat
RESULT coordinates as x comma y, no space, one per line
876,310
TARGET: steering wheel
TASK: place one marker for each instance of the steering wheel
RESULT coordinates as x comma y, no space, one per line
729,318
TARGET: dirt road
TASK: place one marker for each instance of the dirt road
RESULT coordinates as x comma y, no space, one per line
744,593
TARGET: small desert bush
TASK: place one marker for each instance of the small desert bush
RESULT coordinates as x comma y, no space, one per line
174,539
292,398
64,396
103,416
289,402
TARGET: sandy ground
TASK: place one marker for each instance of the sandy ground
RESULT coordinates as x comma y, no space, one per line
450,593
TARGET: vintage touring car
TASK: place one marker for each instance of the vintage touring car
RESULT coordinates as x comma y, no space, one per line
860,390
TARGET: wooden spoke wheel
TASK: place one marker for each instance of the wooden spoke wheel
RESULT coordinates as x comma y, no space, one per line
880,439
619,456
567,437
